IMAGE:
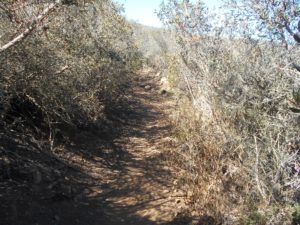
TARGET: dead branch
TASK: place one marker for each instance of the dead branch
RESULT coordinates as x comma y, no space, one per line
32,26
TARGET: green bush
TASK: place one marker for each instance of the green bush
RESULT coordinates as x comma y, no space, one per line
254,218
296,214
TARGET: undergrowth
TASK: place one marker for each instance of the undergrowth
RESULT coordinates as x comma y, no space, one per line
238,152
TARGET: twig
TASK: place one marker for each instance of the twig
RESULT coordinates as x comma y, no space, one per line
261,191
62,70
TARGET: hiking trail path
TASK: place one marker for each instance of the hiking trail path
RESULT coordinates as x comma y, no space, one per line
128,180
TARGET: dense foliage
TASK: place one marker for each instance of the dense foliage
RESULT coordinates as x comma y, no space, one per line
240,146
70,66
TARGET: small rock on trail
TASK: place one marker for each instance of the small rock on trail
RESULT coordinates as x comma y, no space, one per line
147,87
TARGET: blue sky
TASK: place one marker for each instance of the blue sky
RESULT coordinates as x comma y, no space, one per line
143,11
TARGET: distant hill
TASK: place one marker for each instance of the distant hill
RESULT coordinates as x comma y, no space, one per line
153,42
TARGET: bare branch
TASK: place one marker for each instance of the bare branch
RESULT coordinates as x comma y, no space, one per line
31,28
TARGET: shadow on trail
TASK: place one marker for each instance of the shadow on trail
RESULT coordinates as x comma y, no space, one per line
109,181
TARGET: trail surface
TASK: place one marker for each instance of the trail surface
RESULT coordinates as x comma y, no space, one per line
120,179
141,190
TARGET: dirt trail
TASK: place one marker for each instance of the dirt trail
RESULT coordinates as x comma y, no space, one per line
143,190
122,180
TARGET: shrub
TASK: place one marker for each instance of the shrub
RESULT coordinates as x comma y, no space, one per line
239,137
77,62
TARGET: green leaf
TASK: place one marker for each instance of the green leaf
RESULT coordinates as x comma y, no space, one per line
296,66
297,37
296,96
294,110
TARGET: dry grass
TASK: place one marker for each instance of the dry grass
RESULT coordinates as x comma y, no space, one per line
239,151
